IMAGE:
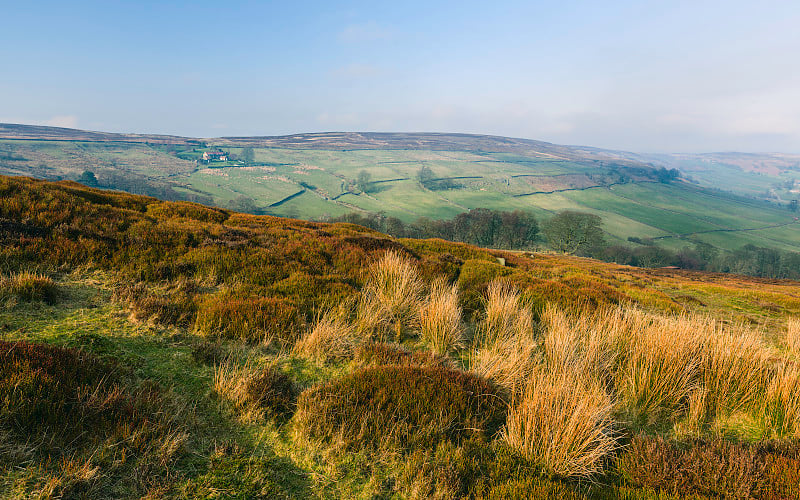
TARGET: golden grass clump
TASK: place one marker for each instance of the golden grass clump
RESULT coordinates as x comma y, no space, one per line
735,368
685,370
505,313
793,335
591,339
505,347
230,380
440,324
391,295
660,369
781,408
28,286
562,422
333,337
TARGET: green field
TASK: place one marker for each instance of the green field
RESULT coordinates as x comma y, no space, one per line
317,180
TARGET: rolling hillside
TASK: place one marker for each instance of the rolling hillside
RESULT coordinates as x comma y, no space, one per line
153,349
313,176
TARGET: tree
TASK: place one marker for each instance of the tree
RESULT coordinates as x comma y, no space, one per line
574,232
518,229
248,155
425,176
88,178
244,204
363,181
666,176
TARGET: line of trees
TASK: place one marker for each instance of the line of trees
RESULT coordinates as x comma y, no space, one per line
489,228
581,234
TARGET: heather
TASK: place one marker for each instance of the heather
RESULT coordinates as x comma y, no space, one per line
152,349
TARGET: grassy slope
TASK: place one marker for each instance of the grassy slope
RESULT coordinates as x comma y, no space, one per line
230,454
642,208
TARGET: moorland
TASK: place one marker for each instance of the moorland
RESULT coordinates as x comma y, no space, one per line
169,349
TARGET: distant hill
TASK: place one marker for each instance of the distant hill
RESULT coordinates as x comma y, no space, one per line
40,132
726,200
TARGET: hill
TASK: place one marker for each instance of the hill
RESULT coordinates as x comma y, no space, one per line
169,349
314,176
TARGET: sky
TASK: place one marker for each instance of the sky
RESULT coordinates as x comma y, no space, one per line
645,76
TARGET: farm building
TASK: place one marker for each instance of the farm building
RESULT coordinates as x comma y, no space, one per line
215,156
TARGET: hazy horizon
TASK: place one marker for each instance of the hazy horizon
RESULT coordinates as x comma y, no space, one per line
636,76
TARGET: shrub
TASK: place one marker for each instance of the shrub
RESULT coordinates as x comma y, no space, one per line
476,470
406,407
533,487
310,293
254,319
562,422
30,287
440,319
169,309
272,391
380,353
333,337
48,390
716,468
265,392
185,209
475,277
208,353
61,402
447,471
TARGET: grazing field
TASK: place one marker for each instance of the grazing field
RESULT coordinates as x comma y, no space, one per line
315,176
211,354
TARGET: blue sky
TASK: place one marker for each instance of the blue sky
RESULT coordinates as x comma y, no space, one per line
642,76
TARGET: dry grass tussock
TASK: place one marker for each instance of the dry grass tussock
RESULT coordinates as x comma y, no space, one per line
332,338
659,369
669,369
440,324
781,407
505,346
28,286
562,422
793,336
590,340
736,368
622,365
391,295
